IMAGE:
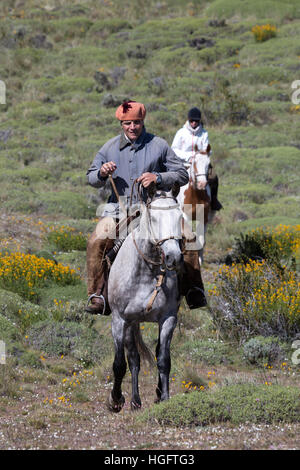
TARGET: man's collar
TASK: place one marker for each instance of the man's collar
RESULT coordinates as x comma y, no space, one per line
124,141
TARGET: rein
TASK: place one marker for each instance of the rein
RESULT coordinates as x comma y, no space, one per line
157,243
193,168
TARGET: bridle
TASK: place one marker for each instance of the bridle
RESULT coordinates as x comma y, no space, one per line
149,207
193,166
156,243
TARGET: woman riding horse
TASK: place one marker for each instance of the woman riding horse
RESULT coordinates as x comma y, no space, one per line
193,138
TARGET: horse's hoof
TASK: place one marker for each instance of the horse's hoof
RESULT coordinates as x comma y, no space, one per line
115,405
161,398
135,406
158,395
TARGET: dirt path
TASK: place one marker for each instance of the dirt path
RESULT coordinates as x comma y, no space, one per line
40,419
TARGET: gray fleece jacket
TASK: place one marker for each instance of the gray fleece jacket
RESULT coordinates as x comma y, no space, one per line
148,153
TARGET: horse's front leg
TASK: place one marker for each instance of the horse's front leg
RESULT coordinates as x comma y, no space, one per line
163,356
134,365
116,400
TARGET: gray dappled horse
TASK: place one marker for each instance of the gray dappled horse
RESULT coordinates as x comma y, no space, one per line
143,287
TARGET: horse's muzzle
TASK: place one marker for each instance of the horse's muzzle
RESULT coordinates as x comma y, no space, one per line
172,255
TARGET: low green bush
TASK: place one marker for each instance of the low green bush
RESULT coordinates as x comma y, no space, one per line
66,239
210,352
222,104
240,403
30,359
256,298
260,350
8,330
18,314
56,338
278,245
103,28
67,203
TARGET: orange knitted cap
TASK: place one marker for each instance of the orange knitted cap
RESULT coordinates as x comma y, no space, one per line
131,111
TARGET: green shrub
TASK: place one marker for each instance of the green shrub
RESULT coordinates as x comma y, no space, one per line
208,351
235,403
67,338
260,350
103,28
256,298
67,203
277,245
68,28
266,9
18,313
8,330
30,359
66,239
223,104
9,384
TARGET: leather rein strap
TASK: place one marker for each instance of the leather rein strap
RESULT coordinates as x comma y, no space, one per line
157,243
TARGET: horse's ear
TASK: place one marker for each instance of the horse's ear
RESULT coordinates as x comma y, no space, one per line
151,190
175,189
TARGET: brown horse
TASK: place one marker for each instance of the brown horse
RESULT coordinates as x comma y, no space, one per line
195,201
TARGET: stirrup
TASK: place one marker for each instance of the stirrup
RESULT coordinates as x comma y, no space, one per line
97,297
195,290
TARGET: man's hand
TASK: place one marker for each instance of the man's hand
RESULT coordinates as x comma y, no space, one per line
146,179
107,169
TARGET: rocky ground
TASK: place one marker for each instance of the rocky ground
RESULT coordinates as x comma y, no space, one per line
35,422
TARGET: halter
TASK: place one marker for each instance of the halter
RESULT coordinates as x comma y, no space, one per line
149,206
192,162
157,243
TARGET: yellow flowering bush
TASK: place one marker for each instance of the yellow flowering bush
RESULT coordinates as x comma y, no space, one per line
264,32
66,238
278,245
256,298
24,273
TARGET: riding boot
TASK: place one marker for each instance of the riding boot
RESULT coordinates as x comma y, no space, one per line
191,284
98,269
213,182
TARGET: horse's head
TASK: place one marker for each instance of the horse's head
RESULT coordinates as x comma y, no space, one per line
199,170
164,217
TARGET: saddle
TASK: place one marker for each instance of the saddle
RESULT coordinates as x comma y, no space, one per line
109,256
190,280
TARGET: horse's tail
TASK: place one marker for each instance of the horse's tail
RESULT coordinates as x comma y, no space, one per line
144,351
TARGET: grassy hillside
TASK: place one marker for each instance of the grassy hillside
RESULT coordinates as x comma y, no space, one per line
66,66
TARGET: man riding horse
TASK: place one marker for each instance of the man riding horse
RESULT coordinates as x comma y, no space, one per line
134,155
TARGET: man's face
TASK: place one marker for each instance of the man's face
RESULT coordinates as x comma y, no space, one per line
132,129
